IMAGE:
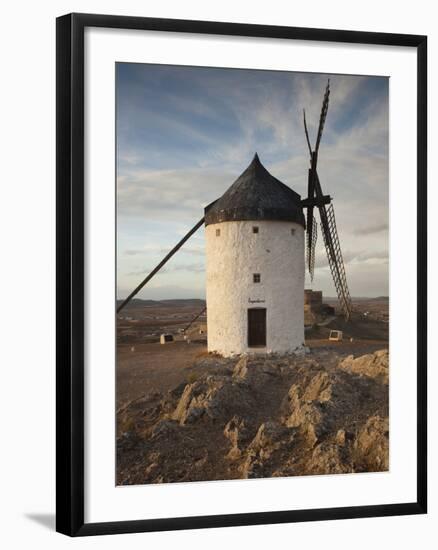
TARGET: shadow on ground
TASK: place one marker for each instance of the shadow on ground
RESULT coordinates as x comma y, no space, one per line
46,520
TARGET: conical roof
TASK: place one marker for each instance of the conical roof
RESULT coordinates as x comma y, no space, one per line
256,195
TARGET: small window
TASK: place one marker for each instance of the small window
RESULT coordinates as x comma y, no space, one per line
292,231
218,232
256,277
255,229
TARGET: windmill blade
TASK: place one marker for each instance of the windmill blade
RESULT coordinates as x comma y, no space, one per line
194,319
306,131
310,222
323,115
310,250
334,255
310,228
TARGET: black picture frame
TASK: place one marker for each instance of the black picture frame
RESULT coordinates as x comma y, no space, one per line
70,273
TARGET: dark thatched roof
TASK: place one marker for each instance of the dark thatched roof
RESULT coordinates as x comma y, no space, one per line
256,195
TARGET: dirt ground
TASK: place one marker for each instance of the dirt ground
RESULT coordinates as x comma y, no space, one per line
153,367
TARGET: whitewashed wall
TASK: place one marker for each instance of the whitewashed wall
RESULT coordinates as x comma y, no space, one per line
232,258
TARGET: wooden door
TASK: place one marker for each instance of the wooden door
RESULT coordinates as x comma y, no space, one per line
256,327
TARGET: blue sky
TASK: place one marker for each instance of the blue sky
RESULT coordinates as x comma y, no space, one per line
184,134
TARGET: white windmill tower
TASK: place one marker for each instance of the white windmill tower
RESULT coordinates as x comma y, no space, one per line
255,266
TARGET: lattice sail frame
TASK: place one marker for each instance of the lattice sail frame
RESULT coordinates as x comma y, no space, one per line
336,261
310,249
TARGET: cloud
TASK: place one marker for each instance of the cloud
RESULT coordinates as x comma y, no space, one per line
189,268
146,271
372,229
175,194
354,257
161,250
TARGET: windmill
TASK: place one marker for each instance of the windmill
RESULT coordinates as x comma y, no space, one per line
255,199
316,198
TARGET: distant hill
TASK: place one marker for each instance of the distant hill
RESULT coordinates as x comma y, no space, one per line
139,303
370,298
334,299
185,302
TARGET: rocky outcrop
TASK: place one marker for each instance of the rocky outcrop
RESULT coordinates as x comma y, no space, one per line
371,446
213,396
241,369
236,433
270,438
260,417
375,365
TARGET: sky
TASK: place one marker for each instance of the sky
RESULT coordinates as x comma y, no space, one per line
185,134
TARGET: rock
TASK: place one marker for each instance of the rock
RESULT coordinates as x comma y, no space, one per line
253,370
193,414
151,468
241,369
340,438
165,428
327,459
214,397
371,447
178,390
319,388
181,411
374,365
267,438
233,431
270,437
304,408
